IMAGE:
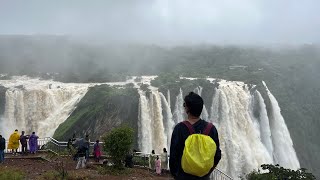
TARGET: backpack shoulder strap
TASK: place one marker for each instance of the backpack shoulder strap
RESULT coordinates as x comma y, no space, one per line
189,126
208,129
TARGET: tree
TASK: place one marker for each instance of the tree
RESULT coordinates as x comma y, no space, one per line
276,172
117,144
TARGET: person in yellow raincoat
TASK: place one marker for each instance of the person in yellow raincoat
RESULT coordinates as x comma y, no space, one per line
14,142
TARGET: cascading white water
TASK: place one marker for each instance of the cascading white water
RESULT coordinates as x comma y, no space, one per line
158,128
178,114
152,134
214,109
264,124
169,98
204,115
247,140
167,118
245,137
284,153
145,139
40,106
238,135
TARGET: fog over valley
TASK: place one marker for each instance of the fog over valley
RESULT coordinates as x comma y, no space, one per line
88,67
167,22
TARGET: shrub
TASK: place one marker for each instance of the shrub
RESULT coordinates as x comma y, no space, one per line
117,144
275,172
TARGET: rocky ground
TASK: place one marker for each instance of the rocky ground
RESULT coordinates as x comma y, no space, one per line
35,167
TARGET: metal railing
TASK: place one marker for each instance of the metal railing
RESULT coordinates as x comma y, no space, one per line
41,143
48,143
139,158
219,175
145,161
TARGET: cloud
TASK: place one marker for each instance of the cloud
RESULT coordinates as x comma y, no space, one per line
167,21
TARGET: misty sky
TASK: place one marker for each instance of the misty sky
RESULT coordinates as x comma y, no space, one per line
167,21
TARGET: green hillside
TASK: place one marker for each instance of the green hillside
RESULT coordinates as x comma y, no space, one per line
291,73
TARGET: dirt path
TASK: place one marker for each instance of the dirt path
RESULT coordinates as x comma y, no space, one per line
38,169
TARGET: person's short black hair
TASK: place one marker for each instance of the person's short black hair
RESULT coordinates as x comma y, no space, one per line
194,102
0,136
33,132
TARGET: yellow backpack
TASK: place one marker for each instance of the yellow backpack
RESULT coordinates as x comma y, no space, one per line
199,151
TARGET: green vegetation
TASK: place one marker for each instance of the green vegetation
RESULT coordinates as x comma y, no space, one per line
275,172
11,174
291,73
101,103
117,144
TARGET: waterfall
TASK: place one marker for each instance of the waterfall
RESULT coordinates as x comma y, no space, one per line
178,114
214,109
159,136
204,115
38,106
168,119
154,128
264,124
239,137
248,137
145,139
284,153
169,98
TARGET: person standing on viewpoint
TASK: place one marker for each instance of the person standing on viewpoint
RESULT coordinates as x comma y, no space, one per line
24,144
14,142
33,143
193,105
2,148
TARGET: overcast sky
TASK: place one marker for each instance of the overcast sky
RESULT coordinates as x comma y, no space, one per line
168,21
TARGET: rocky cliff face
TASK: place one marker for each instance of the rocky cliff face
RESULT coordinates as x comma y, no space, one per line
101,109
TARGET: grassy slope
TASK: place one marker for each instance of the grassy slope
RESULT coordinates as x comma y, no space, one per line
100,109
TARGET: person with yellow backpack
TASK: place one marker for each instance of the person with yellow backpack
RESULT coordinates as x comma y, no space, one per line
195,149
